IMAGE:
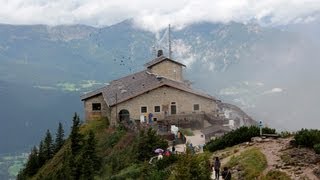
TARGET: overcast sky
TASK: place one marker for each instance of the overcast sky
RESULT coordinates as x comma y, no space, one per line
154,15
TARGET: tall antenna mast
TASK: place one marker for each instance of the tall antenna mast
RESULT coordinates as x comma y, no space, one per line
169,41
154,50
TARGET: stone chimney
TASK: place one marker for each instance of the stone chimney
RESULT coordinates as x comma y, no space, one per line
160,53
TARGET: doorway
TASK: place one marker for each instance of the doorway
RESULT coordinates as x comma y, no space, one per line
124,115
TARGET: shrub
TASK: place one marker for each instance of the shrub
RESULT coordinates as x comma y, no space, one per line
161,169
285,134
153,172
317,148
274,174
186,132
114,138
147,142
191,166
166,161
240,135
307,137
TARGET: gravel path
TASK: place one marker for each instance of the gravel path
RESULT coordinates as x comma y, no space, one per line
273,150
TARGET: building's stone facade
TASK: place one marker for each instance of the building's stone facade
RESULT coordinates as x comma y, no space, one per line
91,114
163,97
168,69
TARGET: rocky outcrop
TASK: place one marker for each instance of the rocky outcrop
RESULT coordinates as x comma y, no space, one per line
297,163
237,114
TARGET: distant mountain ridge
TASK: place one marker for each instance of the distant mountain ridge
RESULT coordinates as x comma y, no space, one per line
59,48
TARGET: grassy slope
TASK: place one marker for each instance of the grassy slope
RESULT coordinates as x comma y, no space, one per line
115,148
118,151
251,161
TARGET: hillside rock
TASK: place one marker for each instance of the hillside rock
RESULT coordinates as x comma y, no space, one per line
298,163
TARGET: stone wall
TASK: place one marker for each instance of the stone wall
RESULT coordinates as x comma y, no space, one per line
92,115
169,70
163,97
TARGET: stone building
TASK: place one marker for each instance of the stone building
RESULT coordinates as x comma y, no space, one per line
154,94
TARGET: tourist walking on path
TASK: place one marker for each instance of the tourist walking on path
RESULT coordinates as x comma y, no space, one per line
226,174
217,165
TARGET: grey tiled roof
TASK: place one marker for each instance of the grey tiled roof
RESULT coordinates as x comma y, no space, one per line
160,59
128,87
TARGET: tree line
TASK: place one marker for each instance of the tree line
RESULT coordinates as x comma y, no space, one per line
79,158
45,151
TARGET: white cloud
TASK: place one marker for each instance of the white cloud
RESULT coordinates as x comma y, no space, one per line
183,52
155,15
260,84
274,90
233,91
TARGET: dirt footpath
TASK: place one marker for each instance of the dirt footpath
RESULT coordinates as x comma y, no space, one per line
280,156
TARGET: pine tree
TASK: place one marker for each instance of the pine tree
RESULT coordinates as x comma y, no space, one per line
87,171
59,138
48,146
41,156
75,136
90,150
75,162
89,159
32,165
67,164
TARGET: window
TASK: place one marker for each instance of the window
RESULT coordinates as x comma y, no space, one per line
173,109
156,108
196,107
144,109
173,102
96,106
155,119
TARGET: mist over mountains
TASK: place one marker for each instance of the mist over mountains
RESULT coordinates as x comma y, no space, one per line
271,73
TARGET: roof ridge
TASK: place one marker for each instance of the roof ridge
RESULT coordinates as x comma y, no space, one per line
160,59
128,76
93,92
